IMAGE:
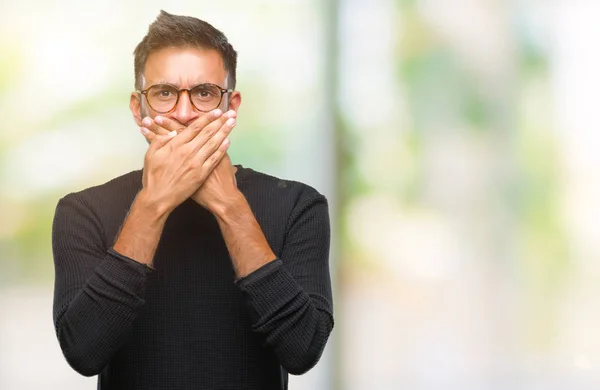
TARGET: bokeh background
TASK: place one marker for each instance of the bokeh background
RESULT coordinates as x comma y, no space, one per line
455,139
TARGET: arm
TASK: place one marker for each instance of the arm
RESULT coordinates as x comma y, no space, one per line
289,299
246,243
141,230
98,293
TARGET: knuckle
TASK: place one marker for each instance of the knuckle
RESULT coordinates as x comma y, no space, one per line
214,143
214,159
222,133
194,164
225,131
200,124
214,130
210,130
197,127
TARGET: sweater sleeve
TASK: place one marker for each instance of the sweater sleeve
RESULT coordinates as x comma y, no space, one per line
289,299
98,293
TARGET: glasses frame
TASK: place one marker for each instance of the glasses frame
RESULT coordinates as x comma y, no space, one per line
179,90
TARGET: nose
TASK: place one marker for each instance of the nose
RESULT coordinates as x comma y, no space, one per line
184,112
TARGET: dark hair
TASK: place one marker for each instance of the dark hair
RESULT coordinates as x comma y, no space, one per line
183,31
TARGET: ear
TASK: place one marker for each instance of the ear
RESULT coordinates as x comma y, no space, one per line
235,101
136,108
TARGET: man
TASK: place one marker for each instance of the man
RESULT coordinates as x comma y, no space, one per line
191,273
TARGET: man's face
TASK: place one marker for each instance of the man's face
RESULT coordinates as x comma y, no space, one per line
182,68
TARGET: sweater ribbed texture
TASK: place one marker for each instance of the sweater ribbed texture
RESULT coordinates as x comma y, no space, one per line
187,323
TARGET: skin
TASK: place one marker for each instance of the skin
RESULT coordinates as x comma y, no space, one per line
187,159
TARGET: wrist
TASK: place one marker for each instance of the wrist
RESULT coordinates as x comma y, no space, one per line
154,209
230,206
142,229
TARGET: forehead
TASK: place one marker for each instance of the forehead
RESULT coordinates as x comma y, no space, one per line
184,67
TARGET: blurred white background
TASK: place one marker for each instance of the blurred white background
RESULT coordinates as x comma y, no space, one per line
456,141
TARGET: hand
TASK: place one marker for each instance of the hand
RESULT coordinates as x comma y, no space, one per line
220,184
218,188
176,165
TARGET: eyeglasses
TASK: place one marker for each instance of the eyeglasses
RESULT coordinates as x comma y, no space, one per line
163,98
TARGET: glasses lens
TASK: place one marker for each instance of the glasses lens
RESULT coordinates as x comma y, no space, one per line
206,97
161,97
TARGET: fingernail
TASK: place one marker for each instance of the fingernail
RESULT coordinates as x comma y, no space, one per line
144,130
172,133
231,114
230,122
217,113
159,120
147,121
226,141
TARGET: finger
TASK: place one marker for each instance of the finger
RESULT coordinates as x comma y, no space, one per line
160,141
168,124
204,152
214,134
224,146
198,126
147,134
215,158
154,127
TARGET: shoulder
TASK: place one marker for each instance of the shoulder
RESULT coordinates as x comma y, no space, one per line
118,186
117,191
261,185
288,211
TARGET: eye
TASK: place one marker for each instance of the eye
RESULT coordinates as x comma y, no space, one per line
206,92
162,92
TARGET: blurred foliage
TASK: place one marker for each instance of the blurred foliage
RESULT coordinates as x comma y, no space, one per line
437,89
545,257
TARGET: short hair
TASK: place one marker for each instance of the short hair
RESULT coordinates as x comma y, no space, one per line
183,31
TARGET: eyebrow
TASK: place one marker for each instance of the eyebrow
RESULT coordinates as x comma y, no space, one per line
178,86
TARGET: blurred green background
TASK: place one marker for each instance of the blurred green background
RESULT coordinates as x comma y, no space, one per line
456,141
